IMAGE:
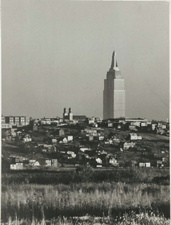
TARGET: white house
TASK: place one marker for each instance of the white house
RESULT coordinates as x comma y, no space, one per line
48,162
134,136
147,164
70,138
73,155
54,141
98,166
83,149
128,145
13,167
101,138
36,163
141,164
27,139
19,166
98,160
64,140
113,161
54,162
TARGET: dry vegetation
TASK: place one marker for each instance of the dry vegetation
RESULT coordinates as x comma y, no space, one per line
112,200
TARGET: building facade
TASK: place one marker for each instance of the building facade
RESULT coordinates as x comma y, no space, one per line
15,120
114,92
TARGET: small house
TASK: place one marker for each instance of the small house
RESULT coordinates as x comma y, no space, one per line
134,136
60,132
36,163
98,160
19,166
83,149
110,124
32,160
141,164
48,162
17,160
153,126
113,162
13,167
65,140
70,138
101,138
54,140
147,164
54,162
116,140
159,163
91,138
73,155
98,166
143,124
163,126
26,138
128,145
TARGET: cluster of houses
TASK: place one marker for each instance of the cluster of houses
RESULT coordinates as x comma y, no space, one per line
21,163
93,132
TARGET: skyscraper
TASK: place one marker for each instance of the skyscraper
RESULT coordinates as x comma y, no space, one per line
114,92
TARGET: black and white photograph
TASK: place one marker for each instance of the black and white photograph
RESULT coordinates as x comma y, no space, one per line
85,127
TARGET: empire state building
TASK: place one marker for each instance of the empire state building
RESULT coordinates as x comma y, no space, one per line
114,92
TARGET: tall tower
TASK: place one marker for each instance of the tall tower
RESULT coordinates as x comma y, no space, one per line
70,114
65,114
114,92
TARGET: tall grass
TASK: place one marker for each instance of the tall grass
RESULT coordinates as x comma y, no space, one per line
38,202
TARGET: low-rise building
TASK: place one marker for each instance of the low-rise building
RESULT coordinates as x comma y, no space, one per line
54,140
159,163
54,162
83,149
90,137
48,162
19,166
132,127
80,118
70,138
26,138
147,164
60,132
17,120
134,136
128,145
91,131
101,138
99,160
13,167
6,126
63,140
141,164
73,155
113,162
109,124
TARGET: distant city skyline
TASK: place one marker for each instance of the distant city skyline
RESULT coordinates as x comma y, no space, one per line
55,55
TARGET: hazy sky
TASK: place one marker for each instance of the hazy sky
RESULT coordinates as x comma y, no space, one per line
56,54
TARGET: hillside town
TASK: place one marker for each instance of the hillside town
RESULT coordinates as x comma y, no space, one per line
76,141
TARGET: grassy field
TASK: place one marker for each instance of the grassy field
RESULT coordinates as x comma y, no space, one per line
38,202
126,175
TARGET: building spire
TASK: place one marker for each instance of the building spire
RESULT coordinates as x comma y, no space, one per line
116,64
112,64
